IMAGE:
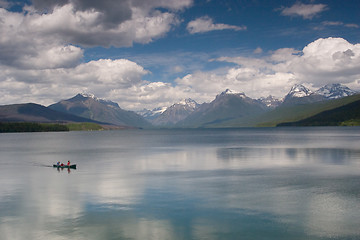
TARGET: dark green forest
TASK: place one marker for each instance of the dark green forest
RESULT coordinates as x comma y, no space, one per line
31,127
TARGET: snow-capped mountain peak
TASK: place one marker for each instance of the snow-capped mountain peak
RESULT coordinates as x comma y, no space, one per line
100,100
336,90
271,101
228,91
160,110
188,102
150,114
175,112
299,90
231,92
88,95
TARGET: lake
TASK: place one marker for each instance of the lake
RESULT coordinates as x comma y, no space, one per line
256,183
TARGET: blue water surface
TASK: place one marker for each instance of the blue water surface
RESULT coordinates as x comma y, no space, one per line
256,183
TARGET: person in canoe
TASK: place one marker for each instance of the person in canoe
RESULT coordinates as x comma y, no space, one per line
68,163
58,164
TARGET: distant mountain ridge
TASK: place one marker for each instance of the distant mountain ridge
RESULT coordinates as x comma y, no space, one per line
151,114
271,101
299,94
175,113
31,112
227,105
299,91
103,101
334,91
88,106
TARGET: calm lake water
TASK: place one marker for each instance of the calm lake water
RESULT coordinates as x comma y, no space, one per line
267,183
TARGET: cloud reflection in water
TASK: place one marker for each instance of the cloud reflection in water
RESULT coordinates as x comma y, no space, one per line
173,185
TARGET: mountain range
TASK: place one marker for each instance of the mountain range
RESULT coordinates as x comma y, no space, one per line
228,109
231,109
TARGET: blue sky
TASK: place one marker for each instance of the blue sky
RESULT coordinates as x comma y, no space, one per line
149,54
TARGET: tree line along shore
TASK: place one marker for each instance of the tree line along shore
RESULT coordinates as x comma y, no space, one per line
8,127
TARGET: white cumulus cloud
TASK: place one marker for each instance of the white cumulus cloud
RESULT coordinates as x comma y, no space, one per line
51,85
329,60
42,48
324,61
51,34
23,45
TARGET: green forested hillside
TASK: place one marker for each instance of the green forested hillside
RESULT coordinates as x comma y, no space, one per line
348,114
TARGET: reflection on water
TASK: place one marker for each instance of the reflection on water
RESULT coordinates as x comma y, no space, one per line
291,155
283,183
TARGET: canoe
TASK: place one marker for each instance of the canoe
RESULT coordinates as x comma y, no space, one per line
73,166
